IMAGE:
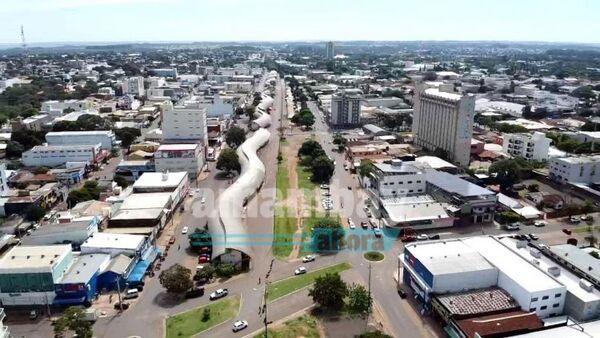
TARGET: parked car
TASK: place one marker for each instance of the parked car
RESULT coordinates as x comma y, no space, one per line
364,225
309,258
131,294
324,186
219,293
401,293
574,219
300,271
533,237
33,314
184,230
172,240
239,325
587,218
349,188
539,224
195,292
567,231
351,224
204,259
422,237
434,236
203,200
326,193
511,227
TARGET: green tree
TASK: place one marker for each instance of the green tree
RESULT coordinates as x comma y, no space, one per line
329,291
328,235
235,136
307,119
507,172
322,169
127,136
311,148
229,161
584,92
34,213
176,279
250,112
366,167
225,270
74,319
207,272
359,300
121,181
14,149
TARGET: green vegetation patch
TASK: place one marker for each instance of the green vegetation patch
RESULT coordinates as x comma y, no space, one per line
285,226
374,256
306,326
190,323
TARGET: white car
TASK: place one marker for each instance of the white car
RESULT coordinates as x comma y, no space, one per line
351,223
308,258
378,232
422,237
203,200
324,186
219,293
301,270
184,230
239,325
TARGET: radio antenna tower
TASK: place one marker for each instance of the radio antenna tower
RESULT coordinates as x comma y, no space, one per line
23,43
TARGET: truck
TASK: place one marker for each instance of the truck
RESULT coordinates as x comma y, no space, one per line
408,235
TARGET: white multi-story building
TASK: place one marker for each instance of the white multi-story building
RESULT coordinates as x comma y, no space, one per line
180,157
444,120
582,169
528,146
185,124
221,106
472,263
133,86
397,179
57,108
238,87
345,110
105,137
56,155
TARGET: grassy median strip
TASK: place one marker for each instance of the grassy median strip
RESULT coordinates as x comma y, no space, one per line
285,227
286,286
306,326
190,323
282,182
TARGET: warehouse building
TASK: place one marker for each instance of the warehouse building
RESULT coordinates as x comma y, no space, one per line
79,284
451,266
176,183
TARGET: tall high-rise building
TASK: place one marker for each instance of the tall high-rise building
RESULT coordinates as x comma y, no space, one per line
330,51
133,85
345,109
185,124
444,121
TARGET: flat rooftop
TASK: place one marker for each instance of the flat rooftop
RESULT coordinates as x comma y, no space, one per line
398,167
578,258
84,267
448,257
72,133
478,301
443,95
34,256
172,147
158,180
583,330
135,214
455,184
566,278
116,241
152,200
511,264
414,208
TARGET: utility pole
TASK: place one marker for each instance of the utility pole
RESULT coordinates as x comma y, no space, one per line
119,293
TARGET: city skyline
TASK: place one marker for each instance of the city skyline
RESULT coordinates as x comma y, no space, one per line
272,20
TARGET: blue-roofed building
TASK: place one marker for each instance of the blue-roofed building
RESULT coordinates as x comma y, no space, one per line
79,283
469,203
117,271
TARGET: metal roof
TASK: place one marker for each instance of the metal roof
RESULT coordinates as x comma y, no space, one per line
84,267
455,184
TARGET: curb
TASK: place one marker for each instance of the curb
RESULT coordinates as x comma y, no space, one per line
282,320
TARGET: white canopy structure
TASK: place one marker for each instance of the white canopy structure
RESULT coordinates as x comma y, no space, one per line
227,228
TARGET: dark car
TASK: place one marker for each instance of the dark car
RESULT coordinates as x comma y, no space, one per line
401,293
567,231
434,236
364,225
195,292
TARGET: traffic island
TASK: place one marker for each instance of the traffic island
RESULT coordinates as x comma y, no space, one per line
374,256
190,323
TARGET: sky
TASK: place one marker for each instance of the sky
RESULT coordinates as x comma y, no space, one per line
298,20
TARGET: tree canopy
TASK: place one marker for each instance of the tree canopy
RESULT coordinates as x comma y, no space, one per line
359,300
328,235
322,169
73,319
329,291
229,161
176,279
235,136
